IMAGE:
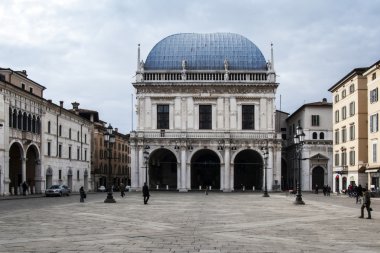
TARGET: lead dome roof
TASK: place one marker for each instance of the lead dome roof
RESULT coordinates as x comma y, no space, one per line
205,52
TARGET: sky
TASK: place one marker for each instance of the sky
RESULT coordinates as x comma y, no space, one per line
86,50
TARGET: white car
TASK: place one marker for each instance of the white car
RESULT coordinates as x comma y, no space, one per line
102,188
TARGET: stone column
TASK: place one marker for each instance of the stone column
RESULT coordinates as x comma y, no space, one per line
134,167
232,176
23,165
270,170
183,170
188,176
141,167
227,169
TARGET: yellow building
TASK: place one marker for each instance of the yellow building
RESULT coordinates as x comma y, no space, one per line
350,130
372,74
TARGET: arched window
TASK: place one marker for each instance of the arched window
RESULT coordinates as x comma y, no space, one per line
29,123
10,117
14,122
315,136
24,122
19,120
34,124
322,136
38,126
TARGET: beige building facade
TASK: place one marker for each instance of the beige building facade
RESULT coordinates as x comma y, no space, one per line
350,110
373,84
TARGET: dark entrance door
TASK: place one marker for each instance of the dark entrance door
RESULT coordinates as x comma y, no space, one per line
15,168
248,170
205,170
318,177
31,162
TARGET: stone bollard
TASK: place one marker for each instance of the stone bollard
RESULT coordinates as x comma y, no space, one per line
200,187
243,188
210,187
167,187
253,188
156,187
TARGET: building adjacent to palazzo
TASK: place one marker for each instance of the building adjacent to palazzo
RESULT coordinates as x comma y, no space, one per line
356,126
205,113
120,157
316,164
41,143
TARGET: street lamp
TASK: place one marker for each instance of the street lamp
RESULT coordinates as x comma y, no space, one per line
109,138
265,154
146,157
299,140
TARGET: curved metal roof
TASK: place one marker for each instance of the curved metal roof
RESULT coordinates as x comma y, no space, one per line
205,52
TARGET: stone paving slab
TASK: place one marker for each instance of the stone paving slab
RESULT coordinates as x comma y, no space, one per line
190,222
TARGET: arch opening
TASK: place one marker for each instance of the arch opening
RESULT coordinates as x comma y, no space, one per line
162,169
318,177
205,169
15,168
248,170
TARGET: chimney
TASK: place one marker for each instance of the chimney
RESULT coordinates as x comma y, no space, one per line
49,100
61,104
324,100
75,105
116,129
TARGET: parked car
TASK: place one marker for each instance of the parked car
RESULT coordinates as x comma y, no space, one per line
102,188
57,190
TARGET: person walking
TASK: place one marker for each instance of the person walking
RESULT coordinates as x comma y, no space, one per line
82,194
146,194
366,203
122,190
24,188
316,189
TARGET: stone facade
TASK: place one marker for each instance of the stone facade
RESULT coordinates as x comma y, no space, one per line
35,139
189,154
316,164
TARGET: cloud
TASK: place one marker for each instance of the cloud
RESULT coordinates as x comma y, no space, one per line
87,51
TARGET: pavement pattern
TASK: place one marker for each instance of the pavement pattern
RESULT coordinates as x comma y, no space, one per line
188,222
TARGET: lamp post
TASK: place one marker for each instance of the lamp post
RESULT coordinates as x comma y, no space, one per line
265,154
109,138
299,140
146,157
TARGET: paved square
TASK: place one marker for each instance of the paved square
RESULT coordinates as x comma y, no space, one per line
188,222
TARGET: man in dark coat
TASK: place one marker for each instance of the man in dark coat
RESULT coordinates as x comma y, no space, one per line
359,193
24,188
146,194
366,203
82,194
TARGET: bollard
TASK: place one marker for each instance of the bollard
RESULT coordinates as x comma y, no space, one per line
210,187
156,187
167,187
200,187
12,190
253,188
243,188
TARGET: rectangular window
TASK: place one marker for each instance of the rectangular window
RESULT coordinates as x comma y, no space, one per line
31,90
78,136
337,116
85,138
343,93
205,117
85,154
352,132
49,148
374,123
352,108
337,137
60,130
60,150
352,157
344,113
374,152
70,133
344,135
78,154
49,127
344,158
162,116
336,98
60,174
337,159
352,88
78,175
373,95
2,78
70,153
23,86
248,117
373,76
315,120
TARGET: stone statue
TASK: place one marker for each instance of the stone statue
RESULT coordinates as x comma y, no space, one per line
183,64
225,65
